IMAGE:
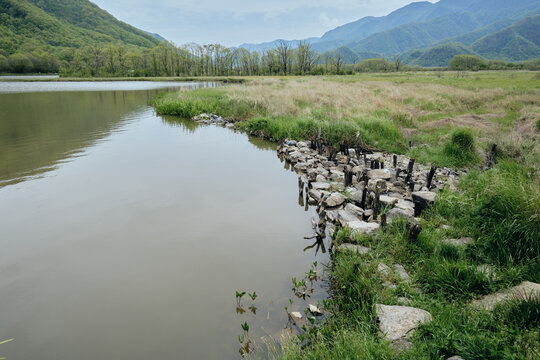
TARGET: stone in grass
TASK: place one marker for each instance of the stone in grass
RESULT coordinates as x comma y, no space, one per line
397,323
422,200
402,273
384,269
335,200
314,310
362,227
456,358
525,290
459,242
359,249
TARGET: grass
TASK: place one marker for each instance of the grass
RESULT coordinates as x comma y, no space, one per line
387,110
505,225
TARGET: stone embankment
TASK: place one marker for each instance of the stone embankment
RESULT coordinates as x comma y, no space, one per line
364,191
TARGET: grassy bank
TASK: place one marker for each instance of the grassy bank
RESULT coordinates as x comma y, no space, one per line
449,119
221,79
505,224
387,110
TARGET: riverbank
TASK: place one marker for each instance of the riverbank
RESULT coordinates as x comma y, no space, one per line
221,79
428,291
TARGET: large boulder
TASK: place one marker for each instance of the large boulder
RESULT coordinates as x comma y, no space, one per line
384,174
346,217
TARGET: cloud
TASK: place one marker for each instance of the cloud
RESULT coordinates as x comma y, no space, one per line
327,22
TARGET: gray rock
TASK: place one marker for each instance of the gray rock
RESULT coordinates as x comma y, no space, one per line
387,200
383,174
335,200
320,179
353,248
525,290
362,227
346,217
355,210
384,269
422,200
320,185
455,358
458,242
402,273
399,322
315,194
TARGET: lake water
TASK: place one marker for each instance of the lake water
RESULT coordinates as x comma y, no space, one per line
124,235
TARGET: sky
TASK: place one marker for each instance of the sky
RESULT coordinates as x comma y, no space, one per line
234,22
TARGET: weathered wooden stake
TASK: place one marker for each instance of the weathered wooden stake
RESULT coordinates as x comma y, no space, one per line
430,176
383,220
364,196
348,176
409,170
376,204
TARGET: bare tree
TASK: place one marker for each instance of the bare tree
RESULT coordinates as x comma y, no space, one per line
283,54
397,63
306,57
339,60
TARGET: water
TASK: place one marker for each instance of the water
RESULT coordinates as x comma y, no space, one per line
124,235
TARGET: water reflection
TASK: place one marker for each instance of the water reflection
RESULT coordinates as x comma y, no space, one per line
39,131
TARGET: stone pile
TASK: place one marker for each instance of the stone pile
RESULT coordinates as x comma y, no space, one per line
209,119
353,189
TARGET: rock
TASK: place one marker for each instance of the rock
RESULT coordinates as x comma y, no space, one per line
380,174
353,248
297,318
362,227
355,210
356,197
320,179
346,217
403,300
397,213
335,200
314,310
384,269
487,270
315,194
401,345
332,216
455,358
525,290
398,322
400,270
458,242
387,200
290,142
422,200
320,185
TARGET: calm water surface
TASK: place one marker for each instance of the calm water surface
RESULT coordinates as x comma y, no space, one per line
124,235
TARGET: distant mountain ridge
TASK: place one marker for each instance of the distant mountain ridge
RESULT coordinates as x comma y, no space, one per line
422,30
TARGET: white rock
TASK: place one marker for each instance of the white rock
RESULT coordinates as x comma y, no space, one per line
380,174
458,242
353,248
320,185
334,200
525,290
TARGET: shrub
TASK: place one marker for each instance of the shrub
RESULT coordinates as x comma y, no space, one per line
460,148
466,63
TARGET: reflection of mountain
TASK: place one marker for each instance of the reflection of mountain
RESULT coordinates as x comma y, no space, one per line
40,130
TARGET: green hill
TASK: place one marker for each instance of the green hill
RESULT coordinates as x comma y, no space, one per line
518,42
438,55
53,25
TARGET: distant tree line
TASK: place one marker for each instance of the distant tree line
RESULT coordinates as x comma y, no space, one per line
192,59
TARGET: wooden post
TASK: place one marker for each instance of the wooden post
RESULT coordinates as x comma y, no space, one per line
364,196
348,176
411,186
492,154
365,160
409,170
383,220
376,204
430,176
395,161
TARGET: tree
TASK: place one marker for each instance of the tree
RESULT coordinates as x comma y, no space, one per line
306,57
20,63
283,55
338,60
95,58
397,63
466,62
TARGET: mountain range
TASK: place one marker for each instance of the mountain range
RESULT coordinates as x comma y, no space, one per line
430,34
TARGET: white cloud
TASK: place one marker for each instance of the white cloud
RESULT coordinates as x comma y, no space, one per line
327,22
